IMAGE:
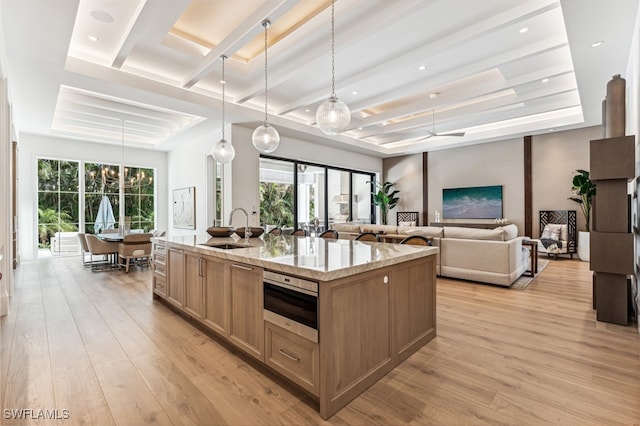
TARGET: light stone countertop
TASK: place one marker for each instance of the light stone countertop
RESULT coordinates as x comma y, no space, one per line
308,257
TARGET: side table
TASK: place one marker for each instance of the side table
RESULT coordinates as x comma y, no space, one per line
532,245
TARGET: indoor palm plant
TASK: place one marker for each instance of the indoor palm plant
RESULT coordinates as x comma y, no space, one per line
583,192
385,197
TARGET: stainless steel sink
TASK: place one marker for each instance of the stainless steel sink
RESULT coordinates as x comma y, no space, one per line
225,246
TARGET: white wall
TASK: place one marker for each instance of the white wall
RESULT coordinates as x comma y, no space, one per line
496,163
33,147
406,175
187,168
555,157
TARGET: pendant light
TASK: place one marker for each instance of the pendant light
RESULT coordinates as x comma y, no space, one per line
223,152
265,138
333,115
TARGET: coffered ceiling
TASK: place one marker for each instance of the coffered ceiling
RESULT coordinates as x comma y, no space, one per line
493,69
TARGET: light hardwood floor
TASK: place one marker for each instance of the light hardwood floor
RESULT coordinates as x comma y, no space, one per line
98,345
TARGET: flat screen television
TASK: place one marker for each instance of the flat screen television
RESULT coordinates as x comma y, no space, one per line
478,202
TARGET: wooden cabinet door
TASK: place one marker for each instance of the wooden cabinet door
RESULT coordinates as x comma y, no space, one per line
193,287
246,304
216,295
175,279
413,306
354,337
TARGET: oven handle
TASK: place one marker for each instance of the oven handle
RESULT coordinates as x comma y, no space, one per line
291,287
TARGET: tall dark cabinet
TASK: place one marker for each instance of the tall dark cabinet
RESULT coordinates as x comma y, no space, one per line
612,167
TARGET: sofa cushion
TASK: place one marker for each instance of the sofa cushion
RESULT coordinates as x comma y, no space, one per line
473,233
425,231
345,227
376,229
510,231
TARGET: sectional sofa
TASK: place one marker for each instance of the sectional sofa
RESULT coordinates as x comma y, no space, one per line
493,256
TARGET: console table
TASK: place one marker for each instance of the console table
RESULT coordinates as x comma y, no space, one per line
491,225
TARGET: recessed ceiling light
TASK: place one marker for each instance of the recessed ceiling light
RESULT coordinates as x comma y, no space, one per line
524,30
307,110
433,95
545,80
551,130
359,128
223,82
93,38
102,16
354,93
597,43
422,67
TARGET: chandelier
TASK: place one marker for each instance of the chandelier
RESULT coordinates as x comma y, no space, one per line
223,151
333,115
110,177
265,138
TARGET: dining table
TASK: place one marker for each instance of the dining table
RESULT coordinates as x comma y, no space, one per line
111,237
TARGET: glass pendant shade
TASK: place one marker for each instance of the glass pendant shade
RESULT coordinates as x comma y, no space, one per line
223,152
266,138
333,116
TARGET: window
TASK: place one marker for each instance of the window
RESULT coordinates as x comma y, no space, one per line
139,198
276,194
57,200
100,180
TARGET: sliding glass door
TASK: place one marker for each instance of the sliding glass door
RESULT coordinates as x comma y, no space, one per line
323,195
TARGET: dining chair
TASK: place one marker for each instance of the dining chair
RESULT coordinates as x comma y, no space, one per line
299,233
98,247
136,248
368,236
416,240
276,231
84,249
329,234
110,231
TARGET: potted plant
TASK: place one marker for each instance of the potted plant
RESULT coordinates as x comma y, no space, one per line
385,197
583,190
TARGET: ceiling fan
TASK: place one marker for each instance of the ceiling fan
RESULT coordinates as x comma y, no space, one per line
432,133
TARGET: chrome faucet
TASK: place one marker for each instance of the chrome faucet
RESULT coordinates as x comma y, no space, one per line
247,230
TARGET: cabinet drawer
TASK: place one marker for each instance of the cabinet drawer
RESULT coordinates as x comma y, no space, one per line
159,248
160,285
159,269
160,258
292,356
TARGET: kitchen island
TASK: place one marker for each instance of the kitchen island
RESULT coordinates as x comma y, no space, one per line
332,316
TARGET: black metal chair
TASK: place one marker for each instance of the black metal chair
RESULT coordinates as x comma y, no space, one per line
416,240
407,217
329,234
368,236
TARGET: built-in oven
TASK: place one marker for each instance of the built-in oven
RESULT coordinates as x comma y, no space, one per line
291,303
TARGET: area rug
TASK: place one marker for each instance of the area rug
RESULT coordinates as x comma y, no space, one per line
524,281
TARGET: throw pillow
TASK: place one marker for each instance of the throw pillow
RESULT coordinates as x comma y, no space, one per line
551,232
412,223
510,231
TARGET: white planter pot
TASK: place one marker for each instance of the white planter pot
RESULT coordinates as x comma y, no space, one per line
583,246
